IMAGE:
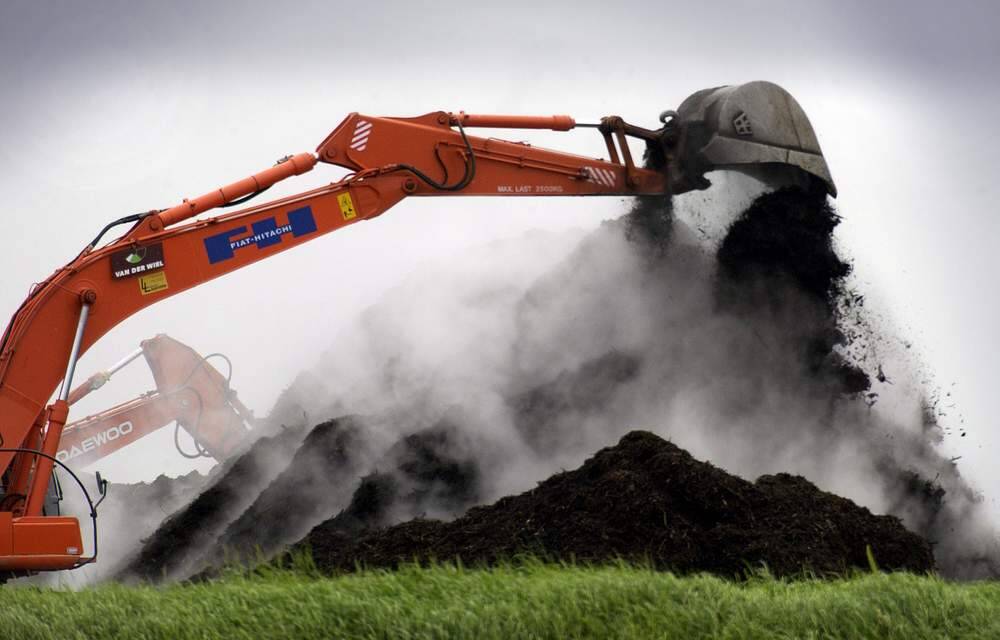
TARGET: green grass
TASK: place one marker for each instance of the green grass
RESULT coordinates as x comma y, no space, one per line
533,600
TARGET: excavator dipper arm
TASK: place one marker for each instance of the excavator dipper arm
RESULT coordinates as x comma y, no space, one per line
189,391
392,158
94,437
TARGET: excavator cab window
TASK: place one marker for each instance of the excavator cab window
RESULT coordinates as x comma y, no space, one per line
53,496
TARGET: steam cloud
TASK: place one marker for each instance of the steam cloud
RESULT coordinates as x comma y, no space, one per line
550,347
720,321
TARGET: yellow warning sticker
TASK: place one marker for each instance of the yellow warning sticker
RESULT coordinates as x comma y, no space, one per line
347,206
153,282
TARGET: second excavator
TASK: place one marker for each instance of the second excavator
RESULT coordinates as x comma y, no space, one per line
190,392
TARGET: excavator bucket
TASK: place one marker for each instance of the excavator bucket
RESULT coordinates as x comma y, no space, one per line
756,128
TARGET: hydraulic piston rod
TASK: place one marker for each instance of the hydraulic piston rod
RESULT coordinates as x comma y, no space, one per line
96,381
58,412
74,354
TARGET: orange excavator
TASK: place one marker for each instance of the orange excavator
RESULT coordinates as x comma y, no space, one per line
756,128
190,392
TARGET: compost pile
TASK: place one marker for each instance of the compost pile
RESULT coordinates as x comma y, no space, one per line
425,473
172,548
319,477
634,328
161,496
648,500
254,509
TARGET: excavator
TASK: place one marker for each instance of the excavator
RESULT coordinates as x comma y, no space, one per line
757,128
189,392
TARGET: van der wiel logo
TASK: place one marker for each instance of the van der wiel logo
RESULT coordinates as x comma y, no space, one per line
263,233
136,260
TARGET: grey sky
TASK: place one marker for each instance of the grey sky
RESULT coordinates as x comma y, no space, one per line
114,107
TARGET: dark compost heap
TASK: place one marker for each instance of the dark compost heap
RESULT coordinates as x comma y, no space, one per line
647,500
644,499
424,472
174,545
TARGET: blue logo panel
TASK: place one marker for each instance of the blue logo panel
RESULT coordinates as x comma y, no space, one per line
263,233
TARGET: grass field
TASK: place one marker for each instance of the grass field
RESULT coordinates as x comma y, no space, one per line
534,600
